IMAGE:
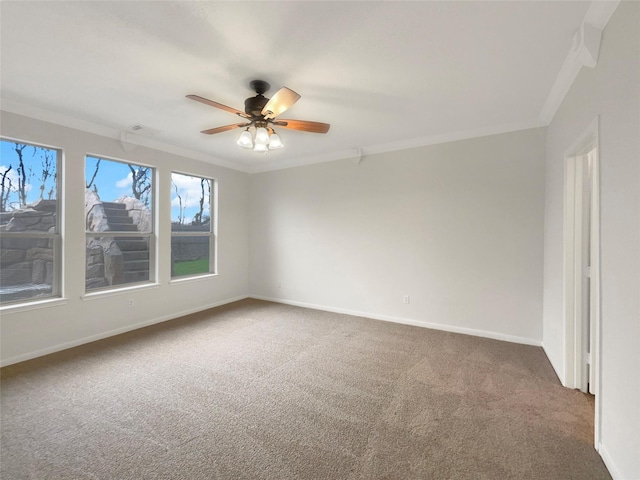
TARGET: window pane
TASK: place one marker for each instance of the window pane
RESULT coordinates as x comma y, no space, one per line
189,255
190,203
117,196
115,261
28,209
28,176
28,268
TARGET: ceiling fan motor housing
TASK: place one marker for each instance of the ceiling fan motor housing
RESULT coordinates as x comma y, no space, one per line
254,105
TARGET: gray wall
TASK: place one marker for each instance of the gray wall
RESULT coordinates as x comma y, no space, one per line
612,91
457,226
28,331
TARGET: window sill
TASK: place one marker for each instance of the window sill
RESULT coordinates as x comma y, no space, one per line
118,291
35,305
193,278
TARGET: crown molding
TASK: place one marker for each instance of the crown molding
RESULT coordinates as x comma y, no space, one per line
600,11
584,53
128,139
452,136
358,154
302,161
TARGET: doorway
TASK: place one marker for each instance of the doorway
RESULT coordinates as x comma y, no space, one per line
582,268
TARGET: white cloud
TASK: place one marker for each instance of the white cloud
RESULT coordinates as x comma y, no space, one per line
125,182
189,189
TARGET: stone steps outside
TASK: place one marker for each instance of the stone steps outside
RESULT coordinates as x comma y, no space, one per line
135,251
116,213
114,205
131,244
122,227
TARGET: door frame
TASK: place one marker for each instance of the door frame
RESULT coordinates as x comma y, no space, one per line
572,290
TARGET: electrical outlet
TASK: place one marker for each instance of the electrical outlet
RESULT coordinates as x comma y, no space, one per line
279,285
406,299
131,303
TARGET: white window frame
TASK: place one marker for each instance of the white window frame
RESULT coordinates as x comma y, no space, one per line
212,233
150,236
57,289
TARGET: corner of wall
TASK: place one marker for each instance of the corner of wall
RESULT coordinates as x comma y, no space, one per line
556,368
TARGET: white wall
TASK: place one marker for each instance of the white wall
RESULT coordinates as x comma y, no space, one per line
612,91
457,226
30,332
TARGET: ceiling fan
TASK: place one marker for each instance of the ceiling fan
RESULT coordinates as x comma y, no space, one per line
260,113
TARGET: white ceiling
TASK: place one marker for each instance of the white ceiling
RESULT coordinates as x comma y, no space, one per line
385,75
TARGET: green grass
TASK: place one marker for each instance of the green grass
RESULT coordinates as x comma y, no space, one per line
191,267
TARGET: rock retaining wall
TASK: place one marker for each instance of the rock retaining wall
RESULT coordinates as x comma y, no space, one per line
185,248
27,262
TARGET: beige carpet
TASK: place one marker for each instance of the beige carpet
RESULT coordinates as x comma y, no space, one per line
256,390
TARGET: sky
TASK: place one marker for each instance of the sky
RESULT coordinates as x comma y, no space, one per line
33,158
112,181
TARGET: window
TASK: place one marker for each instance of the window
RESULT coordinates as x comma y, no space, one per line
119,223
30,245
192,225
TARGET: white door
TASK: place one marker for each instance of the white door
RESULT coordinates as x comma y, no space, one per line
594,284
583,262
581,270
585,294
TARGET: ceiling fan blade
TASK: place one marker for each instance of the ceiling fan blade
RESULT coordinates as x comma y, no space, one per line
211,103
303,125
211,131
281,101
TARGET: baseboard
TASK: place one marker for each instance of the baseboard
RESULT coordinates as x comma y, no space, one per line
408,321
386,318
111,333
608,461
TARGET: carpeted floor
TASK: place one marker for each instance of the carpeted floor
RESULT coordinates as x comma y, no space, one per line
256,390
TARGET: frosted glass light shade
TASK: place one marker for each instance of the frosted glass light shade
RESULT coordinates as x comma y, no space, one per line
262,136
274,142
245,140
260,147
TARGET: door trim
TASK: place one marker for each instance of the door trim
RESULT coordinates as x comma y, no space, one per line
572,292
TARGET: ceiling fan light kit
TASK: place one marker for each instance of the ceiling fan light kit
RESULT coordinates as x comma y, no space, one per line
264,137
260,113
